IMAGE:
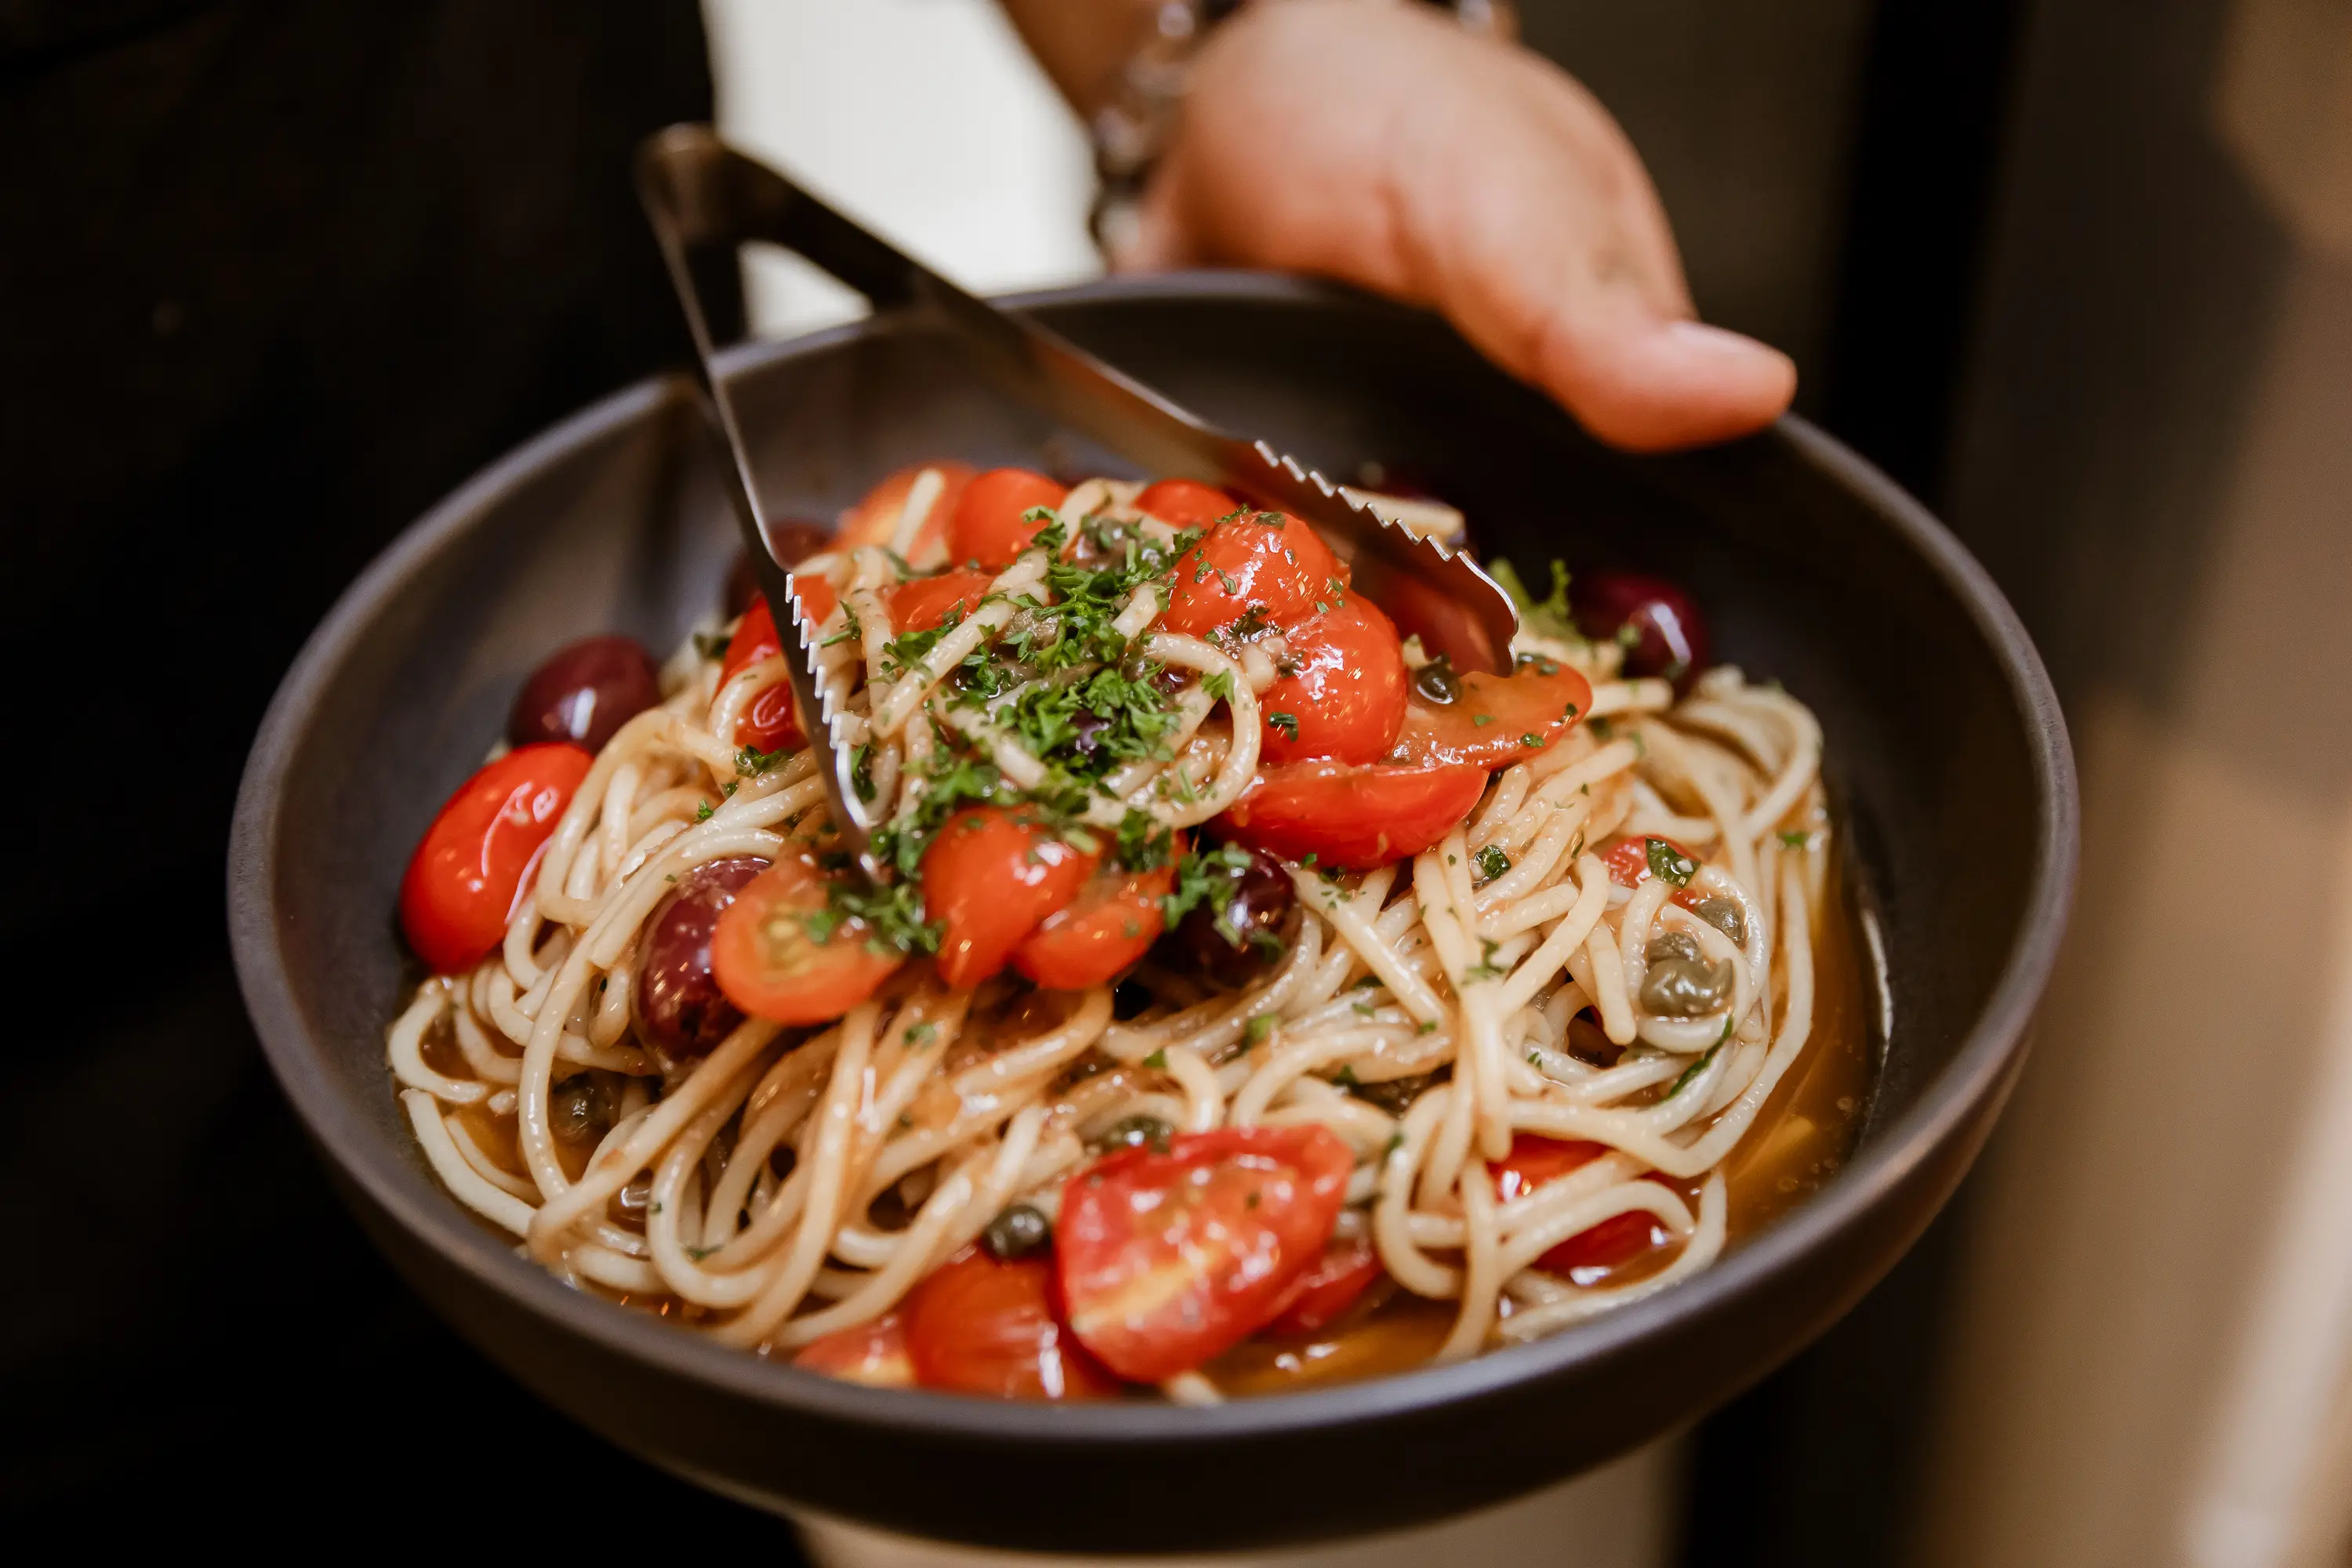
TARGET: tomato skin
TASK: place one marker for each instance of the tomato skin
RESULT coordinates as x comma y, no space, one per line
1168,1261
922,603
986,1325
875,519
771,721
769,964
987,525
1281,568
1528,702
461,885
1318,1297
990,877
1348,700
1187,503
1352,817
872,1353
1535,1159
1100,935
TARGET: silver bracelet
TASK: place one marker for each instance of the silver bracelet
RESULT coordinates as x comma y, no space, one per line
1134,128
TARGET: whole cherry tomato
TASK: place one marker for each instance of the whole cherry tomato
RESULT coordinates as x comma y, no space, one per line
1169,1259
1187,503
1102,932
922,603
986,1325
1346,700
771,721
772,964
1492,720
1352,817
872,1353
462,883
990,877
1318,1297
1262,569
988,525
1534,1160
875,519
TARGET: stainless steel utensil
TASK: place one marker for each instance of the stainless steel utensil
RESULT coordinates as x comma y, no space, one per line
697,191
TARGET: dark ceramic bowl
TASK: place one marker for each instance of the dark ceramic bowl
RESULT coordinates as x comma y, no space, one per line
1946,753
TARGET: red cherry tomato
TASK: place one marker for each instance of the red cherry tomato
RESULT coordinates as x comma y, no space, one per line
1102,933
771,965
1498,720
922,603
1169,1259
988,526
1318,1297
771,721
1352,817
872,1353
875,520
1534,1161
992,875
1185,502
1346,701
462,883
1279,567
985,1325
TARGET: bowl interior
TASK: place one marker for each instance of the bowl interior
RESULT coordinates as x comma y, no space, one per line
1943,753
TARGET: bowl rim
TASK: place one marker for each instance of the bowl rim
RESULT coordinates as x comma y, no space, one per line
395,1185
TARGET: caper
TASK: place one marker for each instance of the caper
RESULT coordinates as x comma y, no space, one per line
1724,915
1017,1232
1138,1131
1437,682
1671,944
581,1111
1395,1095
1685,988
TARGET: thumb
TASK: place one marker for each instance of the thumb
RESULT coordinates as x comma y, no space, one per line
1651,383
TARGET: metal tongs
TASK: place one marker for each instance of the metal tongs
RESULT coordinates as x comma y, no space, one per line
699,192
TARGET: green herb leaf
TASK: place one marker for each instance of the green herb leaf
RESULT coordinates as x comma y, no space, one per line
1491,862
1670,863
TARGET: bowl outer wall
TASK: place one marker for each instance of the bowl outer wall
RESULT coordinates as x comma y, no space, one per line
1276,1469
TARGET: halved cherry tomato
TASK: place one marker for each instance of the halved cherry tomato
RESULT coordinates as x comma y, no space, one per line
1279,567
875,520
922,603
992,875
1169,1259
1113,919
1346,699
1534,1160
988,526
461,885
1628,859
772,965
872,1353
1319,1296
1352,817
1185,502
987,1325
1498,719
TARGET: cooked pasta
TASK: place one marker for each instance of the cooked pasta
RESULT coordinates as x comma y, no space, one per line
1538,1037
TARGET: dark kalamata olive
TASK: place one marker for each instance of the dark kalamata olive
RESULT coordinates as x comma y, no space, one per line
1436,683
1087,739
1660,624
1242,930
794,540
1136,1132
582,1109
1724,915
1018,1232
1589,1045
678,1004
1395,1095
1685,988
584,692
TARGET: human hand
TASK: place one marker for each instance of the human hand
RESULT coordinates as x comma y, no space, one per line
1387,147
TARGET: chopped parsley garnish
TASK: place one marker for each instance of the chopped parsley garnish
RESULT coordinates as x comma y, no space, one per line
1285,723
751,760
711,644
1491,862
1670,863
1550,616
1258,1028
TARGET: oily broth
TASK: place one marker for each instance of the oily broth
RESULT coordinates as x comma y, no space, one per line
1804,1137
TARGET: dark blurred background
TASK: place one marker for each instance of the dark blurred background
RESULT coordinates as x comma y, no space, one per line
276,277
